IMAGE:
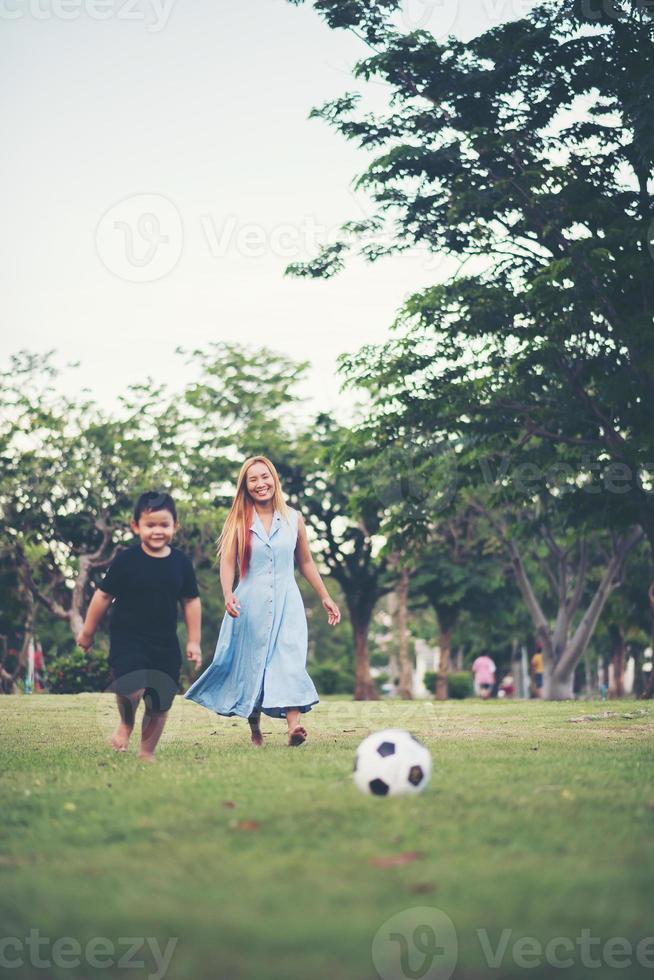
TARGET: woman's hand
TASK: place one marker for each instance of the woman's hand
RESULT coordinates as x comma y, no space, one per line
333,612
232,606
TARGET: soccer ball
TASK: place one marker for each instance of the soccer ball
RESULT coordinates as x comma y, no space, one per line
391,763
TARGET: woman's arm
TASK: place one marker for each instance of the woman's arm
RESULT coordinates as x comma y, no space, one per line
227,576
308,569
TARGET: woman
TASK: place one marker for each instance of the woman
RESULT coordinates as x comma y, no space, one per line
260,659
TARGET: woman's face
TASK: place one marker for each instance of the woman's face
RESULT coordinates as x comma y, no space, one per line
260,483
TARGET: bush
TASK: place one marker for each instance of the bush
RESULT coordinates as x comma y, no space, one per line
430,681
380,681
76,672
331,678
459,685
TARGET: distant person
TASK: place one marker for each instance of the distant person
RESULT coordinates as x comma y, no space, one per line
507,686
146,582
483,670
537,672
39,669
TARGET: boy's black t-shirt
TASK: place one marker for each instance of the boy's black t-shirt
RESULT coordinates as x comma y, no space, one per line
147,591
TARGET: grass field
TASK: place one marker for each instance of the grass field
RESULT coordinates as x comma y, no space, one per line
269,865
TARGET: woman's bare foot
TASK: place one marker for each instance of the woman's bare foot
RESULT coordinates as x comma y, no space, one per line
146,756
254,721
297,735
120,738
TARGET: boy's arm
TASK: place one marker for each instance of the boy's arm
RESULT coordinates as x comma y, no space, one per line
98,606
193,619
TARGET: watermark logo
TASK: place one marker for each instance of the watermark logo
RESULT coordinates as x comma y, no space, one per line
417,470
437,16
132,699
440,16
153,13
140,239
99,953
417,944
422,943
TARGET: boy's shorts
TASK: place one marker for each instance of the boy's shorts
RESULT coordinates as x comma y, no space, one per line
145,664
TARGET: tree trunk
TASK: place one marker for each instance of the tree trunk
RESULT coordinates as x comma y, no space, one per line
557,686
639,684
405,689
562,653
364,686
649,687
445,643
617,661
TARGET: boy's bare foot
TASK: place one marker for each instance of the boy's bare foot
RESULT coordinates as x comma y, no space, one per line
120,738
255,730
297,735
146,756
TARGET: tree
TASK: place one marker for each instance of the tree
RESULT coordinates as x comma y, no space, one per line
400,611
346,516
457,570
549,337
565,636
69,477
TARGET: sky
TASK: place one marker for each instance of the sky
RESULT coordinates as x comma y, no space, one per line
160,172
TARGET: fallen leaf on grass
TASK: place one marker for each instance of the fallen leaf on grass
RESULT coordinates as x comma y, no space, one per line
248,825
229,804
422,888
396,860
567,795
70,807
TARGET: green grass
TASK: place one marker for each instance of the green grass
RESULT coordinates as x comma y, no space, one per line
531,823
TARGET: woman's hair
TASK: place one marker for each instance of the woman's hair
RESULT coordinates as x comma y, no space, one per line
237,525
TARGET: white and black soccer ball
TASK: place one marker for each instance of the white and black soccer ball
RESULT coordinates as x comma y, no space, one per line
391,763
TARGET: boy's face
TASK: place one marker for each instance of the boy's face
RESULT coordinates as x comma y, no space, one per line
155,528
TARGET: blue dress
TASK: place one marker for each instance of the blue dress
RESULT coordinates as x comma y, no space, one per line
260,658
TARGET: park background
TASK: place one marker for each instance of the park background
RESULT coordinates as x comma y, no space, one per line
438,327
431,306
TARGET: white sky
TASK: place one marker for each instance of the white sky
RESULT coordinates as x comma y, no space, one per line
195,112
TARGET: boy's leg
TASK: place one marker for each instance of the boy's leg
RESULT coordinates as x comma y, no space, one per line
152,726
158,699
297,733
254,721
127,705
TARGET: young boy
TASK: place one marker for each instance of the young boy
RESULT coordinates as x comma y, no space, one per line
145,583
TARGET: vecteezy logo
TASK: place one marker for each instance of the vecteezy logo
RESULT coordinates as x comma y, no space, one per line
140,239
418,944
437,16
140,692
418,470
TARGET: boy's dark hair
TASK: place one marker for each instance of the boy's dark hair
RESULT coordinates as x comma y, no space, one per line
154,500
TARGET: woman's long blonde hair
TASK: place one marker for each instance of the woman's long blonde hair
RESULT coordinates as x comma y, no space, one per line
237,525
